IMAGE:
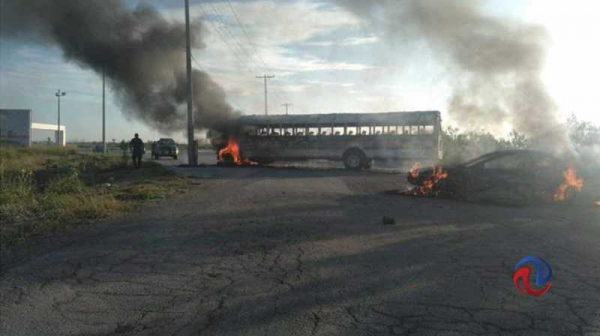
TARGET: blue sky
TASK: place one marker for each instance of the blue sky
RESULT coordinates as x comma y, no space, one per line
324,60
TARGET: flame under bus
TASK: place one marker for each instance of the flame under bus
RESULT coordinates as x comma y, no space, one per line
354,138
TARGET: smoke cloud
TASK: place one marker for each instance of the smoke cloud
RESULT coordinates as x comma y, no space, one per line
496,62
141,53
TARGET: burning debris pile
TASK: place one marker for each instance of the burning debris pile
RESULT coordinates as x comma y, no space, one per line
571,182
230,155
429,185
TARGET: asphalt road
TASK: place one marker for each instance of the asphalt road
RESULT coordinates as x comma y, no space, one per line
264,251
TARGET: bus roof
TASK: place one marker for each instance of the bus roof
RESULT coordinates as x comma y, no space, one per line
383,118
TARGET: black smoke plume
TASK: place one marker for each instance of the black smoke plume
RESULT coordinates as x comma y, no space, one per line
141,53
496,63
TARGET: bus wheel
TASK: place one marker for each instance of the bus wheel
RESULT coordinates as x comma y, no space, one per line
354,159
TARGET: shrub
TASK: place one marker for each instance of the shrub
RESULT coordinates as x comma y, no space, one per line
70,183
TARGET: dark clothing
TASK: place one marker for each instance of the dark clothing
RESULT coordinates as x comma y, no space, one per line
137,161
137,146
137,151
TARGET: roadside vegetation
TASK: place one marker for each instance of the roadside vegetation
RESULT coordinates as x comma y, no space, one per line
462,146
46,189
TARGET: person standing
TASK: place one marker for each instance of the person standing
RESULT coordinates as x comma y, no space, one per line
137,150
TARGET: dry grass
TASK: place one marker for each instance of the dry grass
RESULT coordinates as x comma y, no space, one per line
48,189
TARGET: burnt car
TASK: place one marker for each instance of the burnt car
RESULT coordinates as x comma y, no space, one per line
165,147
512,177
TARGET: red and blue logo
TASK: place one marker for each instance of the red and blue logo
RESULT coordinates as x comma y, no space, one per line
523,272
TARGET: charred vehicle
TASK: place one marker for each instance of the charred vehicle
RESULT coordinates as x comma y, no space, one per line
356,139
511,176
165,147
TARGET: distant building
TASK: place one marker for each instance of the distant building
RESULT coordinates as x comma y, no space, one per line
16,127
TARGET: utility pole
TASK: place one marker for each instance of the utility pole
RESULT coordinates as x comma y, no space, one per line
103,113
286,107
58,95
265,77
192,151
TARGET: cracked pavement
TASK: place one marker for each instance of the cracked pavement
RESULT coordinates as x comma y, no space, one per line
258,251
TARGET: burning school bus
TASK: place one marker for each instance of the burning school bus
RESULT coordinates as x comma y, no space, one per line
354,138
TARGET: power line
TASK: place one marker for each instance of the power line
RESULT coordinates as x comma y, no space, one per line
198,63
234,38
237,52
247,36
265,67
252,44
219,33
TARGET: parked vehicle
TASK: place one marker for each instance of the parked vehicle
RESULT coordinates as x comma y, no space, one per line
165,147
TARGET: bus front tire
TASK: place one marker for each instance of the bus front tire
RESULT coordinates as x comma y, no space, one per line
354,159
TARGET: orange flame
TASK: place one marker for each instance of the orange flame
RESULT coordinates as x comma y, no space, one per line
414,171
571,181
233,149
429,184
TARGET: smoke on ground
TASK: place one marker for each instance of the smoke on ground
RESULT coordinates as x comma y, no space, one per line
496,62
141,53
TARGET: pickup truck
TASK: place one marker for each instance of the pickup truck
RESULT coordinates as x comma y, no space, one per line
165,147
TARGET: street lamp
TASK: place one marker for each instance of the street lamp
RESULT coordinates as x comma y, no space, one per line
58,95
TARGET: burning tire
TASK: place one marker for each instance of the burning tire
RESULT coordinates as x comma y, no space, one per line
354,159
227,160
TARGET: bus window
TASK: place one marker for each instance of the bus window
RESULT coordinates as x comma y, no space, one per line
351,130
249,130
338,131
288,131
428,129
364,130
300,131
313,131
378,130
326,131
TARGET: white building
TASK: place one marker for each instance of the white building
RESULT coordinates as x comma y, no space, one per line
16,127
